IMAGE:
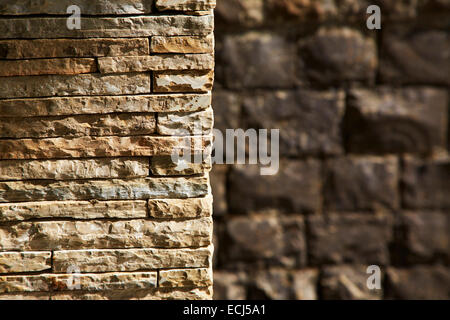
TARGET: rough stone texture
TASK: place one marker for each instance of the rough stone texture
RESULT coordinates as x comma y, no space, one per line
186,123
180,208
415,56
419,282
426,183
73,209
166,166
15,262
102,7
113,146
423,237
101,234
47,66
89,282
116,189
181,278
101,105
310,120
182,44
349,238
347,283
156,63
257,60
265,240
83,84
126,27
249,191
185,5
193,81
60,48
361,184
389,120
125,124
131,259
74,169
339,55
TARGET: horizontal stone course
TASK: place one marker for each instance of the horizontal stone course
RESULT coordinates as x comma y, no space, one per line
115,189
186,123
15,262
180,208
125,124
74,85
9,68
97,260
185,5
74,169
102,105
73,209
182,44
112,146
100,27
185,278
66,48
192,81
156,63
103,234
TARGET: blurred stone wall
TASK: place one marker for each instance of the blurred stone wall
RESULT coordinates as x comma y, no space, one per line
365,174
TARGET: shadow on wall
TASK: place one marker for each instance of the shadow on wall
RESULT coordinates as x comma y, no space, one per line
364,173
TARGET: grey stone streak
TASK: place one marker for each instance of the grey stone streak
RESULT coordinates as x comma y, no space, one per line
116,189
101,105
137,233
129,27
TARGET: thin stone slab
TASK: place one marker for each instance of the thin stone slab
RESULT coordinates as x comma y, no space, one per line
181,44
35,67
15,262
192,81
177,278
180,208
185,5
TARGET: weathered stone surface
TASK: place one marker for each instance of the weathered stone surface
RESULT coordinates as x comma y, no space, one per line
73,209
116,7
186,123
361,184
101,234
74,85
182,44
180,208
131,259
309,121
426,183
227,110
25,296
89,282
74,169
349,238
112,146
423,238
125,124
66,48
185,5
35,67
14,262
419,283
100,105
193,81
278,284
419,57
389,120
166,166
249,191
338,55
247,13
229,285
147,294
265,240
116,189
254,60
100,27
218,180
180,278
155,63
347,283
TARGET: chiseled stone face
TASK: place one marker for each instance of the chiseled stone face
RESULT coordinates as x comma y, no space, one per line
182,44
14,262
192,81
180,208
185,5
201,277
186,123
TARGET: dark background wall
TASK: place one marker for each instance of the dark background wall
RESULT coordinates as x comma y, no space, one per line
365,173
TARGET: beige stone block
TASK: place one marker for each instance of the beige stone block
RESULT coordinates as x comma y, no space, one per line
177,278
186,123
166,166
156,63
185,5
101,234
180,208
35,67
181,44
15,262
193,81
